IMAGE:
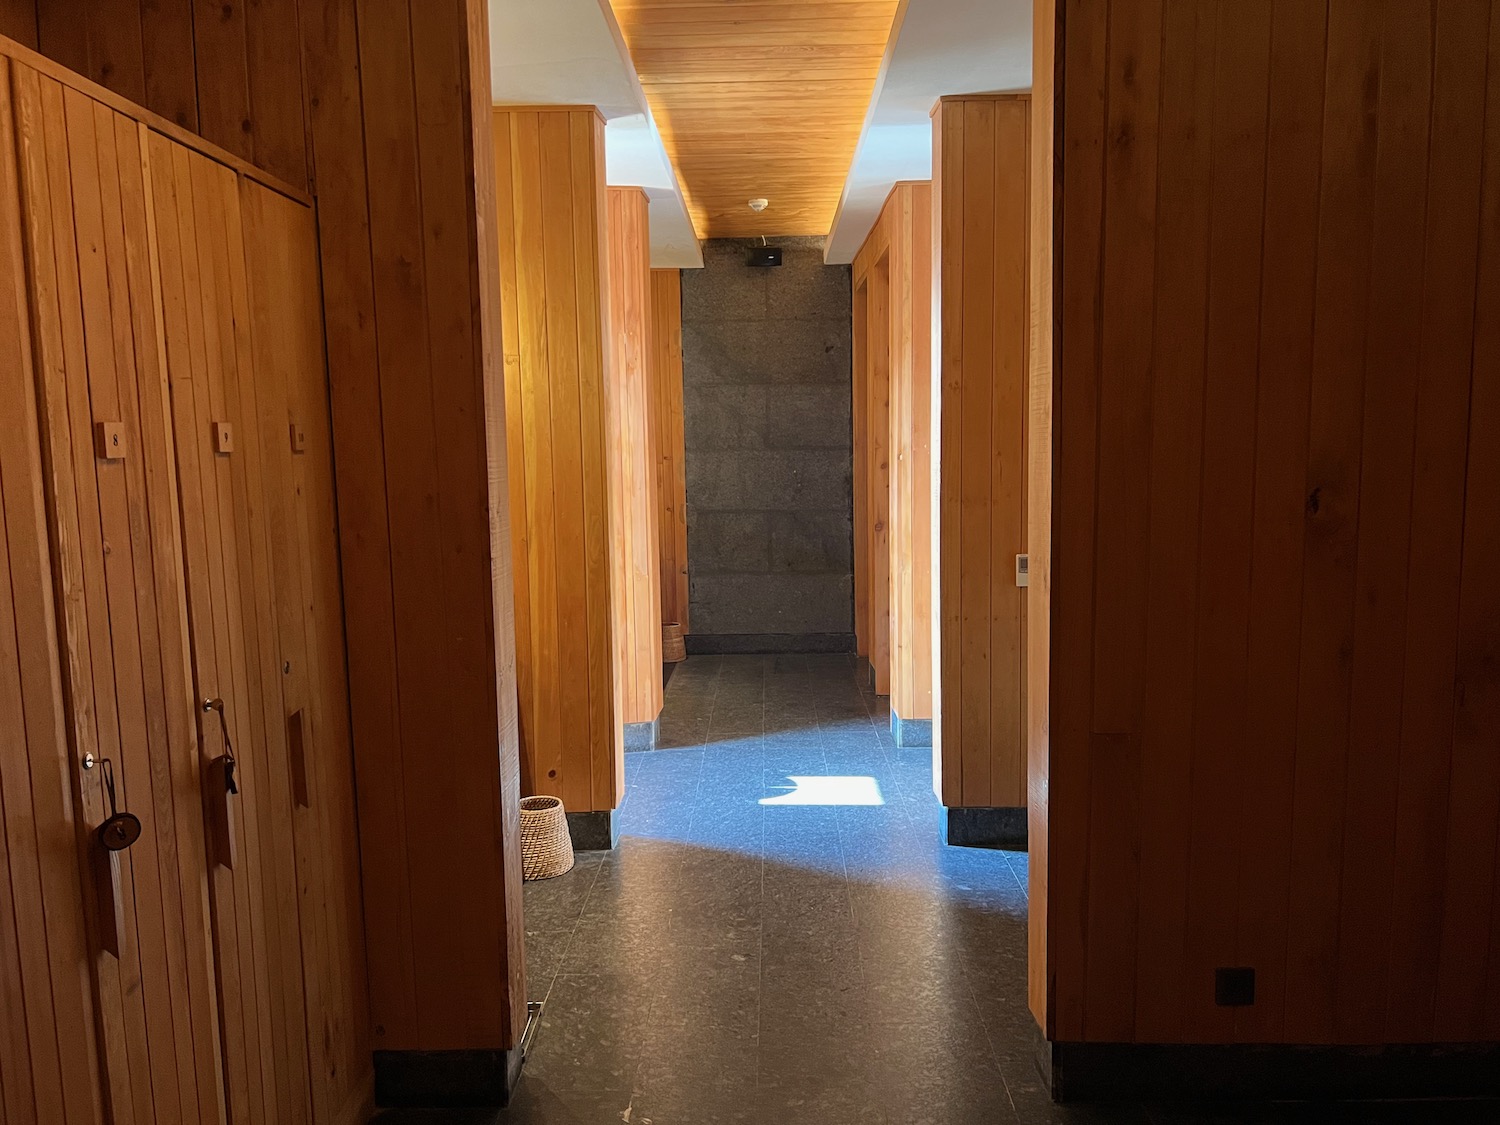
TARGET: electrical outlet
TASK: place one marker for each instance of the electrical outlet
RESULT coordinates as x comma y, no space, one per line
1234,988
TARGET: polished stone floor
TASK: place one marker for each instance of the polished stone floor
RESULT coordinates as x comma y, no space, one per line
782,937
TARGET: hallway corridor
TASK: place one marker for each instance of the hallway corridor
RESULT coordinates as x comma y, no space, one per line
763,950
799,954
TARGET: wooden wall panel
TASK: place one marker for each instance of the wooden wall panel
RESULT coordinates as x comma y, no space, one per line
49,1048
227,71
554,286
405,232
632,442
671,477
860,376
873,359
119,581
899,247
1039,471
1272,523
402,95
981,215
283,307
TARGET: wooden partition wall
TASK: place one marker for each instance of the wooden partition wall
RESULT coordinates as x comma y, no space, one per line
168,487
872,508
671,477
555,314
385,119
894,374
1275,596
980,229
635,548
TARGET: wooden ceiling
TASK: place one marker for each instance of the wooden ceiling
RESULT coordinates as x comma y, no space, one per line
758,98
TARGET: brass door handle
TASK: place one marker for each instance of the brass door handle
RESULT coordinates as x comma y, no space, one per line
226,760
222,786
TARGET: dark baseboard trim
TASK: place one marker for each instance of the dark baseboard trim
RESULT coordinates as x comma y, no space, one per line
911,733
641,736
1003,828
869,670
594,831
750,644
1106,1072
446,1079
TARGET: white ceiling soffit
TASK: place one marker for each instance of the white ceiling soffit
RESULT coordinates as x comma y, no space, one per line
570,52
937,48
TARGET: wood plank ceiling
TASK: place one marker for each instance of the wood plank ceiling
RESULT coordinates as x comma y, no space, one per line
758,99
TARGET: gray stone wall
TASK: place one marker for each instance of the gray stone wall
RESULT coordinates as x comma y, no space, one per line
766,397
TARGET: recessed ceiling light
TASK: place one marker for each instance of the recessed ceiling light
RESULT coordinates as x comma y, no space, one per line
758,205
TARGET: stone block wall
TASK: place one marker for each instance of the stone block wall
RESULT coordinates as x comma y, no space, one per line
766,358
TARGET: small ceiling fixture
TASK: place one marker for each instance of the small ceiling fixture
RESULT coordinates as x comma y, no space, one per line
759,205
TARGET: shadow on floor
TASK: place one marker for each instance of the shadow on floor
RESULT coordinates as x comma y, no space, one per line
783,937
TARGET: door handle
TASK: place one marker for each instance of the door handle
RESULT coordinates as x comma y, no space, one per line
227,758
221,786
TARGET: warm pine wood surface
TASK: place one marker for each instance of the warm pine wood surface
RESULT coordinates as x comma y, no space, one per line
228,72
554,287
398,119
902,240
119,577
634,516
1039,503
452,686
1272,692
49,1049
981,216
184,572
758,100
665,339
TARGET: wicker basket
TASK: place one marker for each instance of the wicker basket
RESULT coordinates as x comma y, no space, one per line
546,847
673,648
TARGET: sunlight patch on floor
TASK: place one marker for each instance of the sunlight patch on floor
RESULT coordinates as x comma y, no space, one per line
829,791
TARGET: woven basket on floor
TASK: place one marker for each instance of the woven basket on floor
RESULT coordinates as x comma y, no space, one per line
673,647
546,847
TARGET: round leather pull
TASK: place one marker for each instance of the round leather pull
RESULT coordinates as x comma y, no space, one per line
120,831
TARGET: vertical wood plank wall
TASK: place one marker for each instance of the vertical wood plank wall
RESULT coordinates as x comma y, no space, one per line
634,520
1275,601
980,211
860,381
224,71
146,312
901,239
400,140
554,285
671,477
1039,499
393,113
871,279
49,1050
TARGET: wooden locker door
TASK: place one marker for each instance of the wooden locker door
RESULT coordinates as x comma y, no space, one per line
232,615
295,433
112,513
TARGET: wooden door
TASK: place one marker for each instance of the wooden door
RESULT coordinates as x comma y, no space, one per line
108,468
296,449
232,614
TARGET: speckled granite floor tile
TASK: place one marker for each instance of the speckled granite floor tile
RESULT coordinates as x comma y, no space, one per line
783,937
